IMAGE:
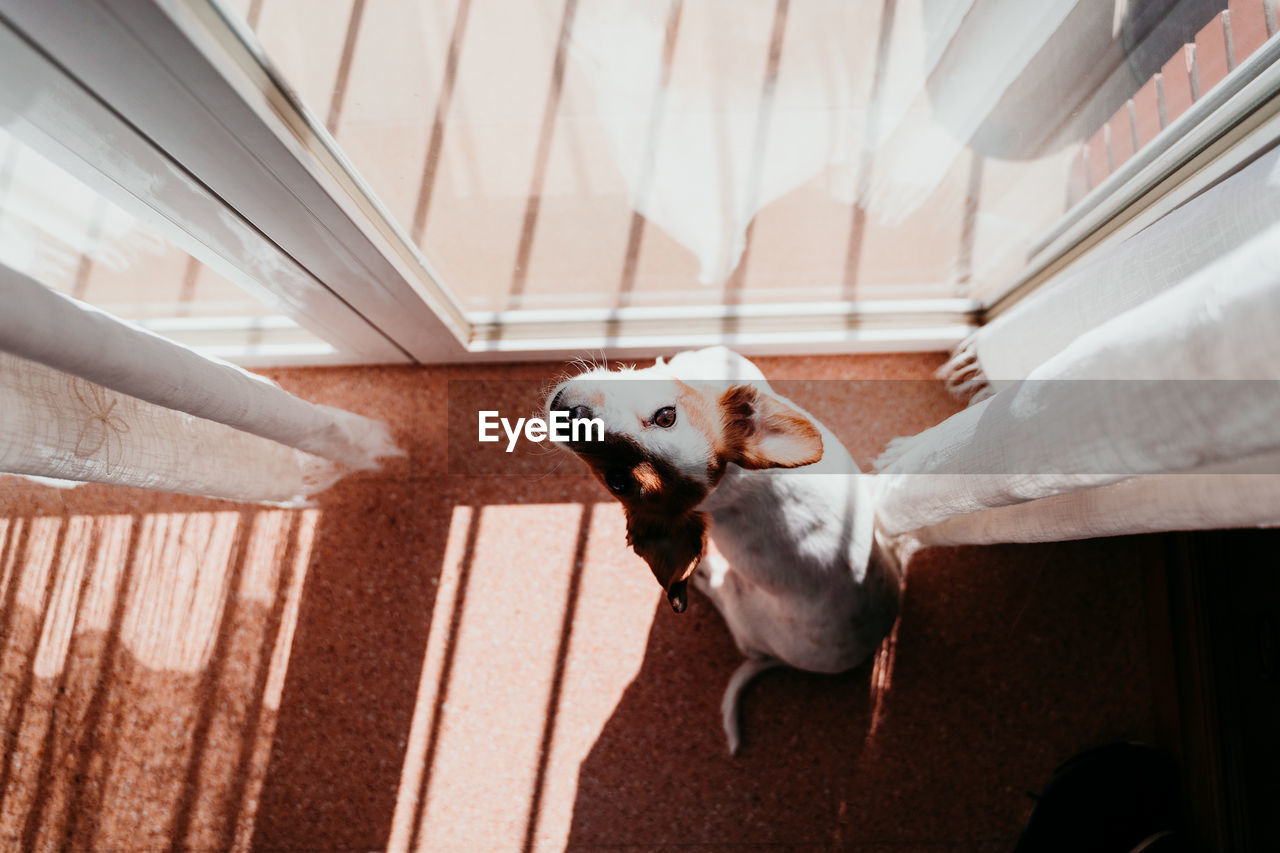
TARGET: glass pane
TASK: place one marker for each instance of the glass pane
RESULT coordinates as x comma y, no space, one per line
65,235
581,153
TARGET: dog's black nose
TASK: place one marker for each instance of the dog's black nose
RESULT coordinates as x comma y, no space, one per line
579,413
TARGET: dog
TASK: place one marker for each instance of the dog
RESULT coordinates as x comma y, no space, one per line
701,446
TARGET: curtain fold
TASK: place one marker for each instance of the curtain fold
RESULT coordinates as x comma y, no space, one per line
1155,416
41,325
87,397
1226,497
875,100
61,426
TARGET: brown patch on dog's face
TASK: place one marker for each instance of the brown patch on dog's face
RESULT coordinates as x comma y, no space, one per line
647,478
702,410
642,482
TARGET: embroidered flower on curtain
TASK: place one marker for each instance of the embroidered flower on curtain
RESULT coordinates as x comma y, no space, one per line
102,429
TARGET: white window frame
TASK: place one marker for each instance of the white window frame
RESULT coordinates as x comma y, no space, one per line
178,88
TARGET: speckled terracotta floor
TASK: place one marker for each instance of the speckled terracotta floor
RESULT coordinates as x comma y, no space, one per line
448,660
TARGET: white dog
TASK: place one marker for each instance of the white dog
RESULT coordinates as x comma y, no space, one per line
702,445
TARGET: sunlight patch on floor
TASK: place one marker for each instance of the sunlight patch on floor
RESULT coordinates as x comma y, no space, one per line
528,655
143,664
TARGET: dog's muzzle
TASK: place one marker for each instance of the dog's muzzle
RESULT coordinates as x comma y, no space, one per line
575,413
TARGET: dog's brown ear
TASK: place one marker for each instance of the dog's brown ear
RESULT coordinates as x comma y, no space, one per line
672,548
761,432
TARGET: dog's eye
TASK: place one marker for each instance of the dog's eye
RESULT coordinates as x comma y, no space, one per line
665,417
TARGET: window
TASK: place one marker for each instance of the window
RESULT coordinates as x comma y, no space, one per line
443,180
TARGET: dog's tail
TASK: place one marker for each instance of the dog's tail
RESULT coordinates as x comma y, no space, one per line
750,668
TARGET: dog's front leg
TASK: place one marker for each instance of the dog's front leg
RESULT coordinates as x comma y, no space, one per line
715,579
708,577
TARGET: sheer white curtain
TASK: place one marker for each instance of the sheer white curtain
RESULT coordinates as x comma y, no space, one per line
715,109
87,397
1139,391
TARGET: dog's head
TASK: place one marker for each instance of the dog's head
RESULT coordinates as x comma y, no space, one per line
666,444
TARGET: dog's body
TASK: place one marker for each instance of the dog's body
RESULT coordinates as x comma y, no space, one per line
800,578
